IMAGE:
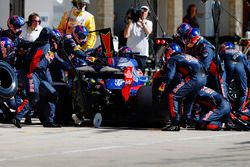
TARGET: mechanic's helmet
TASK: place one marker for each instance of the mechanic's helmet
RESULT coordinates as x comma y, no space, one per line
80,34
124,51
192,37
56,35
15,23
172,48
6,47
182,30
55,39
225,46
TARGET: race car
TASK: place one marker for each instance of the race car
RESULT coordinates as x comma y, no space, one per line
111,88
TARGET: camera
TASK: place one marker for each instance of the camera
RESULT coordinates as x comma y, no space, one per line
134,14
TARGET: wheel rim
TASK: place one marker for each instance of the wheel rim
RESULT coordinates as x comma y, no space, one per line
233,91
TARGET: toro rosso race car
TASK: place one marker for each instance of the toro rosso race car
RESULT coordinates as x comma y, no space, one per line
111,88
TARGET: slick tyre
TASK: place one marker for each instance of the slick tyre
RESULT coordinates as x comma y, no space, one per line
143,104
8,81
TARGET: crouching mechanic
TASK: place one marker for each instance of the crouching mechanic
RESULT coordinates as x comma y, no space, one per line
204,51
215,110
238,69
38,82
193,77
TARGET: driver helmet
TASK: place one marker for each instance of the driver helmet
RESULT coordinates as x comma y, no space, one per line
80,34
124,51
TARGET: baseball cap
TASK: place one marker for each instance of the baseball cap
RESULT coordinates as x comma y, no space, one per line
145,7
84,1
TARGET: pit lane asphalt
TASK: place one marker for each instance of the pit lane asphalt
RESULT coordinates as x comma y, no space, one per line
35,146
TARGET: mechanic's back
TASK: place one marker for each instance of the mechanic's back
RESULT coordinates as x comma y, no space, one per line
184,64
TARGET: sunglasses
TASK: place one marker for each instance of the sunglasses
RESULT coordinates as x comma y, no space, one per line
37,21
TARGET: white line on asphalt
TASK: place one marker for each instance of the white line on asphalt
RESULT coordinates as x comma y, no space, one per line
190,138
94,149
3,160
119,147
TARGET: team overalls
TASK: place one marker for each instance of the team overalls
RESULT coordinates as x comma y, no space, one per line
193,79
214,109
237,68
205,52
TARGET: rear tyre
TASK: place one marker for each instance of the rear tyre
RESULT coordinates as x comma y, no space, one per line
143,104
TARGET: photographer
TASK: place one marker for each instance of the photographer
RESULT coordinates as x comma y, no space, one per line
137,32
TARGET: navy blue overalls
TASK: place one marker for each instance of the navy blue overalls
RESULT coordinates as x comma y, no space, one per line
193,79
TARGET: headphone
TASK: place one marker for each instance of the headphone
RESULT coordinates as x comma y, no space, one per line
29,22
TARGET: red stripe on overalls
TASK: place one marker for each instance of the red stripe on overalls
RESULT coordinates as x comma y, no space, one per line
183,71
34,63
232,116
214,71
209,114
23,104
171,99
171,105
178,87
213,68
244,104
246,101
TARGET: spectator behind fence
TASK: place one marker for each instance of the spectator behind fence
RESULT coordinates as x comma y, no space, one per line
32,28
190,18
79,16
137,33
